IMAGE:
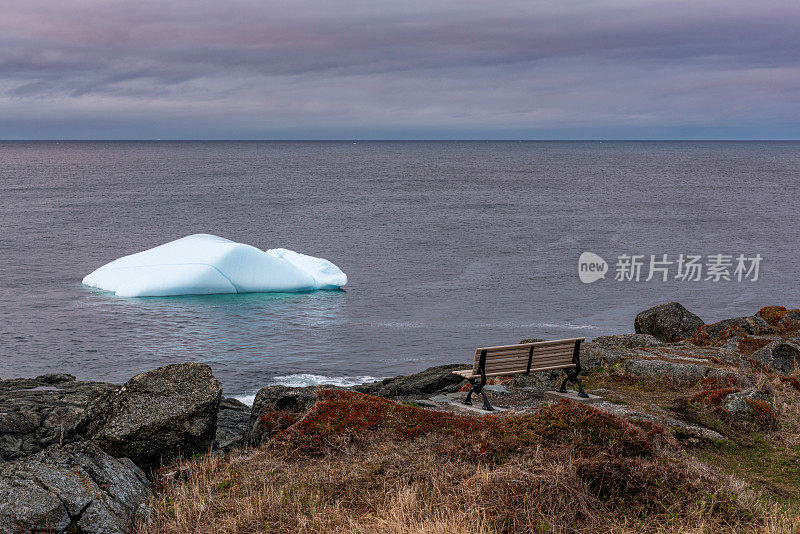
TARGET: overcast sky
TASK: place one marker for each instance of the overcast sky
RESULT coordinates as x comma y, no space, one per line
411,69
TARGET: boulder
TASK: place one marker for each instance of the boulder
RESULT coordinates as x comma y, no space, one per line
667,322
783,356
271,399
432,381
609,350
38,412
735,404
680,373
594,355
156,416
233,418
779,316
76,488
752,325
750,405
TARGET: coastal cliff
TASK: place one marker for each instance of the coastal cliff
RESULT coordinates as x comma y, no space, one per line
692,426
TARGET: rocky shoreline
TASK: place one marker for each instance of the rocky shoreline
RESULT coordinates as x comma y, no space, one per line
79,456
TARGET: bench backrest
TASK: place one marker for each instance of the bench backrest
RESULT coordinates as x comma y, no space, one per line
526,357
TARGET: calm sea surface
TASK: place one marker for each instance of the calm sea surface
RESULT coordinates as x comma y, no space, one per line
447,246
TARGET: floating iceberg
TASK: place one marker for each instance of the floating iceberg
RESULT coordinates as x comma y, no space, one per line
204,264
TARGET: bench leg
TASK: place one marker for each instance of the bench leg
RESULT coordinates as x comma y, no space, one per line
478,388
468,400
572,376
581,392
486,405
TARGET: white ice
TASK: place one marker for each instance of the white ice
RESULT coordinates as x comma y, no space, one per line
204,264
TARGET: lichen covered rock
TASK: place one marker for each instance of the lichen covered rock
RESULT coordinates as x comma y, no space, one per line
76,488
432,381
779,355
667,322
156,416
680,373
288,402
753,325
38,412
233,419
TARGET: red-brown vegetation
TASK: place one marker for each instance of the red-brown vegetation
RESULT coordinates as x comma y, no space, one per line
355,463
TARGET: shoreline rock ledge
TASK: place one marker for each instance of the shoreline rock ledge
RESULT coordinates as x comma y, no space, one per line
156,416
38,412
71,488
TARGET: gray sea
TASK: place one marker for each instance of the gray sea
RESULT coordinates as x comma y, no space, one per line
447,245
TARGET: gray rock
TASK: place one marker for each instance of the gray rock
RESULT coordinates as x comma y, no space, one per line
156,416
593,356
76,488
692,434
432,381
792,316
276,399
680,373
752,325
626,341
539,379
740,378
667,322
38,412
736,405
732,344
233,419
779,355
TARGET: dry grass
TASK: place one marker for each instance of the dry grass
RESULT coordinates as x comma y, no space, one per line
355,463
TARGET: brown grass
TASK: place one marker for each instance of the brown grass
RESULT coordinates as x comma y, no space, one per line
355,463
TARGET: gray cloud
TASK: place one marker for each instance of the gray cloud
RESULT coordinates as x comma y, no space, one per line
419,69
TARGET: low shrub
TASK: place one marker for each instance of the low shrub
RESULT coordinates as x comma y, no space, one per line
341,418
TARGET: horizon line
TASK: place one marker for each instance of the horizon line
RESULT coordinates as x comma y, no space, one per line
398,140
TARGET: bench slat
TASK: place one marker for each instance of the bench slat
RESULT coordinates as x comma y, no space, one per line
508,373
524,365
524,352
535,357
524,355
525,347
536,344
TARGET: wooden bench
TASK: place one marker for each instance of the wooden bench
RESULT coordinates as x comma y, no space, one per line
523,358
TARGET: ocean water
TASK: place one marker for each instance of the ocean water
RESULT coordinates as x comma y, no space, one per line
447,246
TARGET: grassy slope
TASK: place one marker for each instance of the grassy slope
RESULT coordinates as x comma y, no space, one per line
357,463
767,458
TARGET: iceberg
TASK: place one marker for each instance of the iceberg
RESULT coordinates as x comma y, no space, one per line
204,264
